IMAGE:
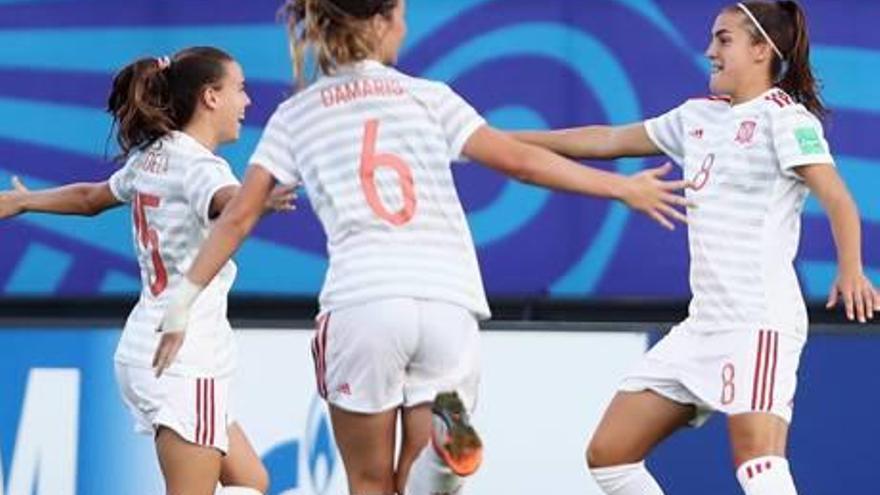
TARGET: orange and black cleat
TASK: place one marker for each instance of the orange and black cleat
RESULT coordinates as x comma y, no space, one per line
454,439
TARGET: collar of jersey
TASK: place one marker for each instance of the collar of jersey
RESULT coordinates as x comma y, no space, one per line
748,105
190,141
362,66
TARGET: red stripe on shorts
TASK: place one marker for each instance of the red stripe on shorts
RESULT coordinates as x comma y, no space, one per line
198,409
755,383
773,369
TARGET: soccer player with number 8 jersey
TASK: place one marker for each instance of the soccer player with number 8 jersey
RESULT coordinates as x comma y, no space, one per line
397,330
753,152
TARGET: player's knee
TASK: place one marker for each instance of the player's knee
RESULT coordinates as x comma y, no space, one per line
372,479
752,443
602,452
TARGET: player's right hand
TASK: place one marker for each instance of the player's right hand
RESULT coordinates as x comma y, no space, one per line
11,201
169,346
282,198
648,193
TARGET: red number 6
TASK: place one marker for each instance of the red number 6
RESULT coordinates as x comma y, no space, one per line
370,161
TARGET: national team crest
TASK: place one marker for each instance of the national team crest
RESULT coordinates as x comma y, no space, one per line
746,132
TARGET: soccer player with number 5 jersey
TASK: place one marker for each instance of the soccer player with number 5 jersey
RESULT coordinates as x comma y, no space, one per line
171,115
397,330
753,152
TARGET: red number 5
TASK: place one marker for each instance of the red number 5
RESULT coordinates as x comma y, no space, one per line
370,161
149,239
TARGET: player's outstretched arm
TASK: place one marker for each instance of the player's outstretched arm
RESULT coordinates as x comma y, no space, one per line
598,142
86,198
645,192
860,298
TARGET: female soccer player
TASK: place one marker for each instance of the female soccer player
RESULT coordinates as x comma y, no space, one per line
397,329
171,115
753,153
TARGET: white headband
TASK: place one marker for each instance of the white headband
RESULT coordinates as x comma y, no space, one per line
758,25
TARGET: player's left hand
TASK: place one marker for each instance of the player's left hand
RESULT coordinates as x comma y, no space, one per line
860,298
169,345
282,199
10,201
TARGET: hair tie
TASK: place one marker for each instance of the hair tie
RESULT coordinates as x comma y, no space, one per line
164,62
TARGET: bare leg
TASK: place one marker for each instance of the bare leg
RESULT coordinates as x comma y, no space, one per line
366,443
633,424
758,441
242,466
416,436
757,435
188,469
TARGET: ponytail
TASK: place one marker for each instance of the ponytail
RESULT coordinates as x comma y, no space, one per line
153,96
799,81
139,103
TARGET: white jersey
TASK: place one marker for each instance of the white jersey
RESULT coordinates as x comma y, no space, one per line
373,148
744,233
170,187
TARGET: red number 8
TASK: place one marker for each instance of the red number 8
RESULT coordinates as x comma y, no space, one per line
370,161
702,177
728,389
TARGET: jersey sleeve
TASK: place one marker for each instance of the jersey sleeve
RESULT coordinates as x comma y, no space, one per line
667,133
122,182
274,152
202,179
458,119
798,139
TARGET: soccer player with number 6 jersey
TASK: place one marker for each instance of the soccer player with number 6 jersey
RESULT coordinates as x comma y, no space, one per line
753,152
171,115
397,331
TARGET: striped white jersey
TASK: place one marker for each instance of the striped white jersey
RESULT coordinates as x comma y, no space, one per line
373,148
744,233
170,187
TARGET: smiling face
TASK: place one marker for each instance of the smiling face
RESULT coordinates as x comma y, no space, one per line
740,67
230,99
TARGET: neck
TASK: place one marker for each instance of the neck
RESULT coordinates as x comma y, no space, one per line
749,90
203,133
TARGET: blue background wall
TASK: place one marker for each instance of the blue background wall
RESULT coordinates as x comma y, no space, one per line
523,63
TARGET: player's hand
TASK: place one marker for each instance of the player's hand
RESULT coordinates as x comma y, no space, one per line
169,346
648,193
281,199
11,201
174,324
860,298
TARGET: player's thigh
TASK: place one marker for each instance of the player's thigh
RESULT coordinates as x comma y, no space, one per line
242,466
633,424
366,444
188,469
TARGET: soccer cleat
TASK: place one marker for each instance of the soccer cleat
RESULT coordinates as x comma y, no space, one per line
453,437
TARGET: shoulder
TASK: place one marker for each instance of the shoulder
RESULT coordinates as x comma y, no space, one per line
782,109
420,86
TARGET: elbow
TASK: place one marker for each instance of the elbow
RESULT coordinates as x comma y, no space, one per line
90,207
519,164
